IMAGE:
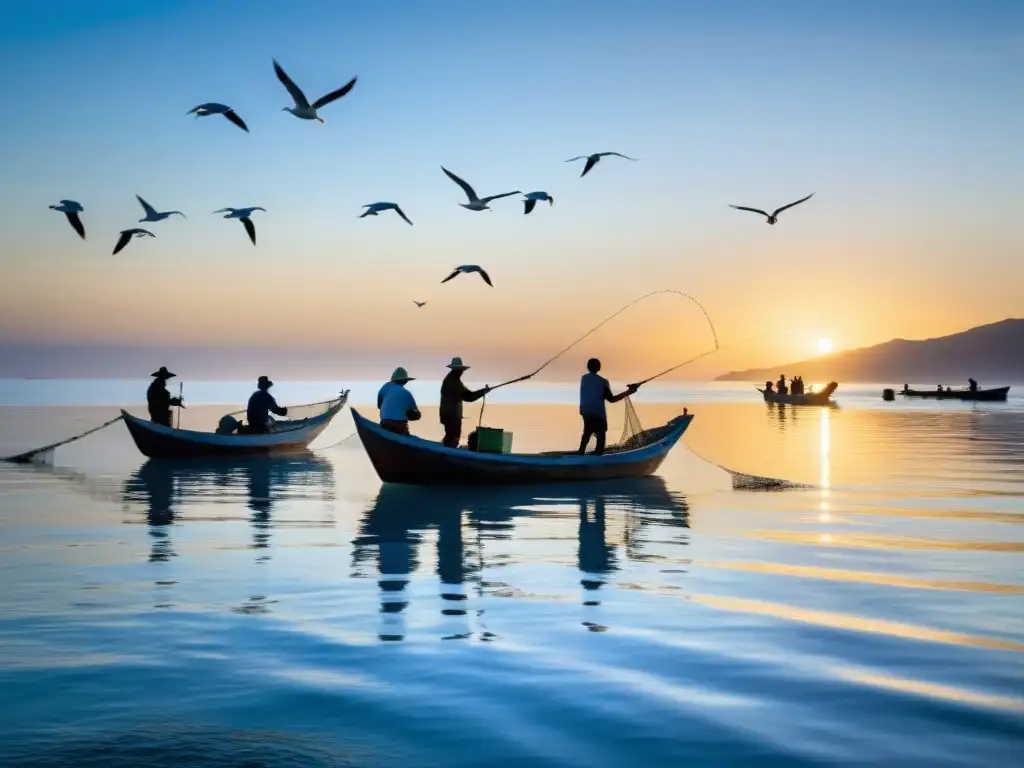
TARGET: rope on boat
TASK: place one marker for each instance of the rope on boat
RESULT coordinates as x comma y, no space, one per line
29,456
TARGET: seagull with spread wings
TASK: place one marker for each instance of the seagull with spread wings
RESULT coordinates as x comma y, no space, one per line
213,108
128,234
71,209
469,268
302,107
152,214
592,160
243,214
475,203
531,200
419,304
375,208
772,217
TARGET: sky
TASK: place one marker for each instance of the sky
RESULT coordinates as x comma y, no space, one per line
905,120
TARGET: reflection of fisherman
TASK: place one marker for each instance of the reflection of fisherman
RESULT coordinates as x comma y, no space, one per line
453,394
261,405
159,399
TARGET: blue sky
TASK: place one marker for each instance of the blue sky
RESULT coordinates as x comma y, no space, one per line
904,118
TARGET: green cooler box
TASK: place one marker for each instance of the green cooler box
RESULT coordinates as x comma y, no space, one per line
490,440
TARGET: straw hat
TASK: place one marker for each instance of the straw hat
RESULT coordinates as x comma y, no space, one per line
456,364
400,376
163,373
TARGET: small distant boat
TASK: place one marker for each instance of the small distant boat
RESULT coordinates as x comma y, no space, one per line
286,436
415,461
809,398
997,394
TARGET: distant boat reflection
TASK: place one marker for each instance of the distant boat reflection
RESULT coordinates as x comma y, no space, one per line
169,489
463,520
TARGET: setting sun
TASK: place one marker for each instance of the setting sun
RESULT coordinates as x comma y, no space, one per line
824,346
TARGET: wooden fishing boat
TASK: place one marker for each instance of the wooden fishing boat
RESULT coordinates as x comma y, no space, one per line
809,398
415,461
999,393
286,436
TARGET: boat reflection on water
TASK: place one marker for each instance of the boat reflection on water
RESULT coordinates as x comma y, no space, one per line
169,490
463,520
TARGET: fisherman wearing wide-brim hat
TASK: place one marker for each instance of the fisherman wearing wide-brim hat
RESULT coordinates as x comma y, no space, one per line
453,394
396,404
261,405
159,399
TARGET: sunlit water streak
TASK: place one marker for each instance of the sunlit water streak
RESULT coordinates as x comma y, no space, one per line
294,612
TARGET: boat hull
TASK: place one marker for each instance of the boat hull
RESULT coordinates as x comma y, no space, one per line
414,461
997,394
159,442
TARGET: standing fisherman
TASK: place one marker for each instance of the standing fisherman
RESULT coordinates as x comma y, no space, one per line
159,399
453,394
594,393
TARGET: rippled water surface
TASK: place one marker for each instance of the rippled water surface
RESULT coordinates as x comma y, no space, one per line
294,612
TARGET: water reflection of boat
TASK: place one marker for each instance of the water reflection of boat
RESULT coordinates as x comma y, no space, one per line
167,489
401,518
414,461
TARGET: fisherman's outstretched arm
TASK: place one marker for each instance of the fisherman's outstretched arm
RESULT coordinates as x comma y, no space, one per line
615,398
469,396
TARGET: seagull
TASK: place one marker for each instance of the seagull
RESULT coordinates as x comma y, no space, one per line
152,214
531,200
592,160
243,214
374,208
774,215
419,303
475,203
213,108
302,107
468,268
71,209
128,234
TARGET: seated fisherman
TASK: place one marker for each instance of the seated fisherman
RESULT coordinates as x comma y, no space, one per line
261,405
781,387
396,403
159,399
594,393
453,394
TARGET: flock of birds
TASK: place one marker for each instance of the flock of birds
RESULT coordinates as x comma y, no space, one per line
305,110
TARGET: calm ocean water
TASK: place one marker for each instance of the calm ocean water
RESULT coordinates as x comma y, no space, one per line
294,612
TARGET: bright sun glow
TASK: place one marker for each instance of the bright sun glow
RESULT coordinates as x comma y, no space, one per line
824,346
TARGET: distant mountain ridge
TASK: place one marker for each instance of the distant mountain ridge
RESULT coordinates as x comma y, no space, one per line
993,354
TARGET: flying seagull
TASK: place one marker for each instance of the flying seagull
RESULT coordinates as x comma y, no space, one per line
128,234
213,108
774,215
419,303
71,209
475,203
531,200
468,268
243,214
152,214
302,107
374,208
592,160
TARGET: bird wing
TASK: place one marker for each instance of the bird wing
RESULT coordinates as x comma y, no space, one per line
250,228
419,303
498,197
752,210
258,208
452,275
225,210
149,209
530,204
324,100
618,154
171,213
123,240
401,213
485,276
591,162
296,93
77,224
234,118
574,159
801,200
465,187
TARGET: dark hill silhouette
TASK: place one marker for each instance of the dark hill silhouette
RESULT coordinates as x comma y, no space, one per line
993,354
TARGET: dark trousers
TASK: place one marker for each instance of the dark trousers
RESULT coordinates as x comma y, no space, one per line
452,433
393,425
161,417
597,428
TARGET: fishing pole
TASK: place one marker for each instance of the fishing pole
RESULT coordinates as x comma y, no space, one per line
181,387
